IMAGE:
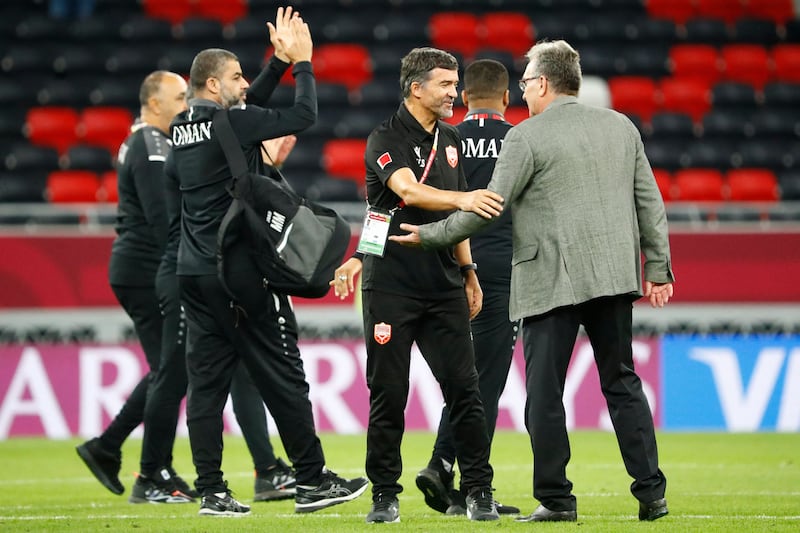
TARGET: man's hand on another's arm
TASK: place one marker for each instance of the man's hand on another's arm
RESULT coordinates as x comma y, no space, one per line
411,239
482,202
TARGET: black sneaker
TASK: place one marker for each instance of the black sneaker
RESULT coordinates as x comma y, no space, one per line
181,485
437,485
278,483
459,506
103,463
385,509
155,490
332,490
480,505
222,504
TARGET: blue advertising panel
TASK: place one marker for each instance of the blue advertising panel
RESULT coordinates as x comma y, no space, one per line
731,382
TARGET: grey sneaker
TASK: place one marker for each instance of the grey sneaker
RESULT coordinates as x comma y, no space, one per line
278,483
385,509
222,504
332,490
155,490
480,505
436,485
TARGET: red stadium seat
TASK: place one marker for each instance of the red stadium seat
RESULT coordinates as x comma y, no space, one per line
699,185
347,64
634,95
752,185
699,60
728,11
786,61
509,31
746,63
678,11
686,95
344,158
105,126
516,114
174,11
455,32
664,182
108,191
52,126
69,186
778,11
227,11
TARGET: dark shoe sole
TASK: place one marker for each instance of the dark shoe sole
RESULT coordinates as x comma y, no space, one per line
274,495
436,494
113,485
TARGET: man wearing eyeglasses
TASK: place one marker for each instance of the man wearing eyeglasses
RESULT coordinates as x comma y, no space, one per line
585,207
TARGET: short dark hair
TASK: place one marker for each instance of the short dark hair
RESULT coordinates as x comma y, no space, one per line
419,62
485,79
151,85
208,64
559,63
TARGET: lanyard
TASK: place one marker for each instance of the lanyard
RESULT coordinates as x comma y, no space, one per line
428,165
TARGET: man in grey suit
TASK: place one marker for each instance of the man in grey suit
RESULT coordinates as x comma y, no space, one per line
585,207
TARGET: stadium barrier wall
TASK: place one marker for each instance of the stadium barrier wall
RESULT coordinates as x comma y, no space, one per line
717,383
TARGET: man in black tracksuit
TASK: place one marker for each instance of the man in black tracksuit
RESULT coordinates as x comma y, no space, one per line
486,96
265,339
414,171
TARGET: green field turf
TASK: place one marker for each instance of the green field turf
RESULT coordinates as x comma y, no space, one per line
717,482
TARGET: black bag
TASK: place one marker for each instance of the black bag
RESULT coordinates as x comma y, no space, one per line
294,243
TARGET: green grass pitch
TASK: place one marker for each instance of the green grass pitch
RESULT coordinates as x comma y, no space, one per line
716,482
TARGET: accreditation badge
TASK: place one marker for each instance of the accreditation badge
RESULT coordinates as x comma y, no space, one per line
374,232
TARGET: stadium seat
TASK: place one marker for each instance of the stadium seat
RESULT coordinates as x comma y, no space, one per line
778,11
777,123
509,31
63,92
455,31
143,29
768,153
666,124
75,59
604,60
755,31
669,154
752,185
356,124
711,153
27,58
347,28
345,158
379,93
201,30
748,63
331,94
707,31
697,60
699,185
400,29
133,60
105,126
116,92
634,95
25,157
786,60
52,126
83,157
686,95
594,91
226,12
348,64
68,186
516,114
729,11
12,124
789,184
733,95
664,182
22,187
646,60
327,189
728,123
780,95
174,11
643,29
678,11
108,191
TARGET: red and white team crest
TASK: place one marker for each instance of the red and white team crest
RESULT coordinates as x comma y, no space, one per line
382,333
452,155
384,160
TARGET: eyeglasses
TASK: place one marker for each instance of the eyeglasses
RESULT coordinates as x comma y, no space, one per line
523,83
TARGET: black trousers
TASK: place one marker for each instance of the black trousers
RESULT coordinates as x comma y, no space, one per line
141,305
265,339
441,331
548,341
168,389
493,337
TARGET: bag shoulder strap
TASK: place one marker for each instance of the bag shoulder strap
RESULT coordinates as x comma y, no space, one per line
221,123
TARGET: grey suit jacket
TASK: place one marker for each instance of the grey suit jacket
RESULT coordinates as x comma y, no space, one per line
584,205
